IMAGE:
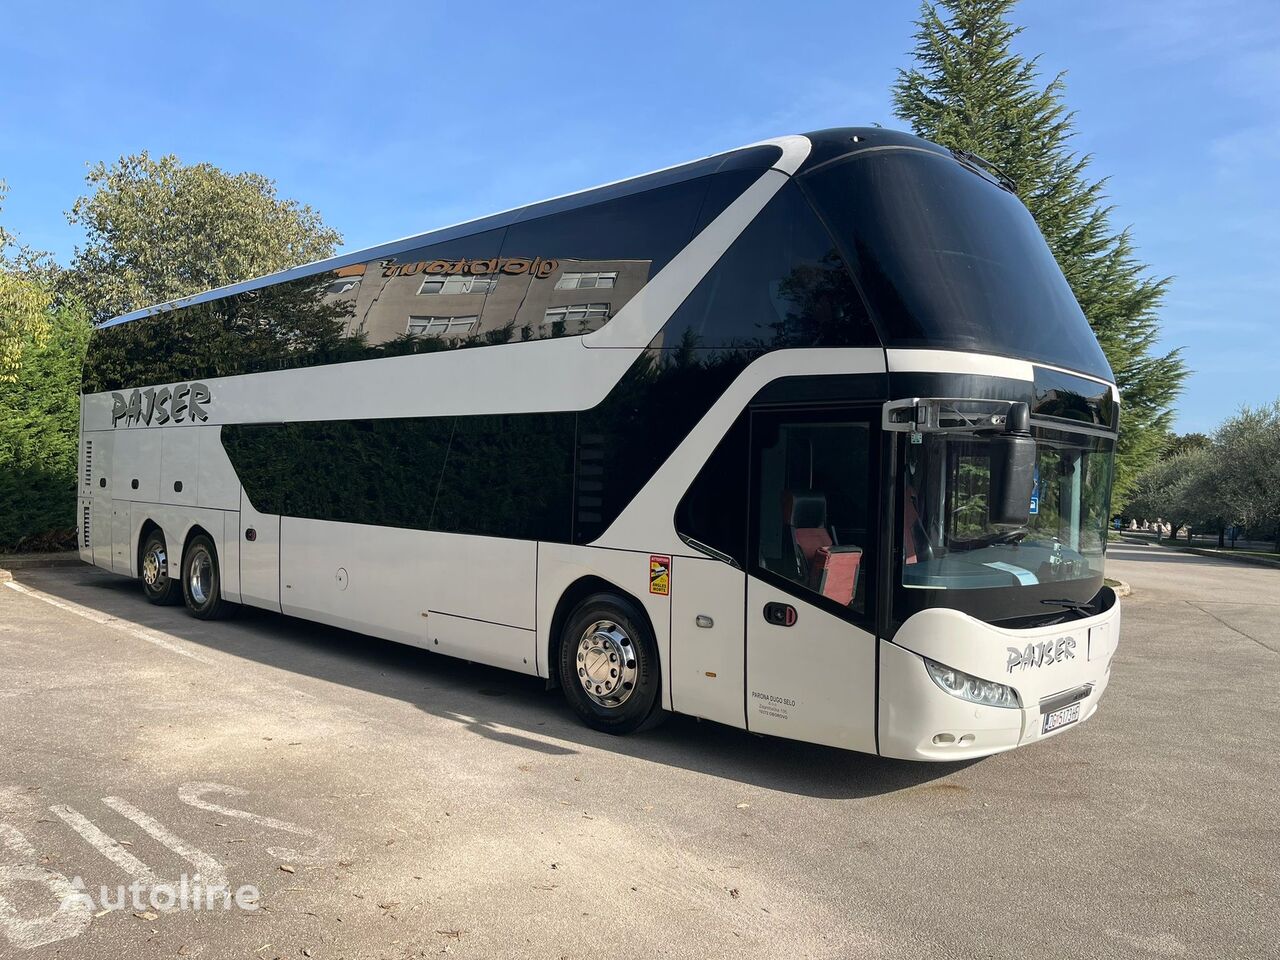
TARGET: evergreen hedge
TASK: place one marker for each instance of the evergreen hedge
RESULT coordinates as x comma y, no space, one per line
39,438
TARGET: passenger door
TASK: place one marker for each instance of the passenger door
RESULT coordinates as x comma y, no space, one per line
811,649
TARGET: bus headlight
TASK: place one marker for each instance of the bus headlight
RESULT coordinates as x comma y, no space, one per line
960,684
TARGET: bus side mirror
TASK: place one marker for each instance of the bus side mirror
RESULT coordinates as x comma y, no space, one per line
1013,470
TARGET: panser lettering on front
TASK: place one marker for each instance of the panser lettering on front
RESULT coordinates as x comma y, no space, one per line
184,401
1042,654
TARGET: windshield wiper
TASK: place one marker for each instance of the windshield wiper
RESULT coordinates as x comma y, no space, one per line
1071,605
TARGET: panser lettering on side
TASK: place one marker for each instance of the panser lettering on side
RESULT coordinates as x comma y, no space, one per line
184,401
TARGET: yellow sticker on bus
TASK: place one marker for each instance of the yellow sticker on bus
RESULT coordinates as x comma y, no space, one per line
660,576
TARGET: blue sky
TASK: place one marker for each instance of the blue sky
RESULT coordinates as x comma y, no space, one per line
393,120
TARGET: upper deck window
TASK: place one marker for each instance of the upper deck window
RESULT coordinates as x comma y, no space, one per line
780,284
946,258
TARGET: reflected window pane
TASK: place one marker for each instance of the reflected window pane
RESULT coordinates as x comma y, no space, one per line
438,326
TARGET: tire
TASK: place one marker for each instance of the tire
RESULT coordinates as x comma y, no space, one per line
202,581
157,586
609,665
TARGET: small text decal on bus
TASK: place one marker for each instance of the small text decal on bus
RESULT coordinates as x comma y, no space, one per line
1042,654
182,402
660,576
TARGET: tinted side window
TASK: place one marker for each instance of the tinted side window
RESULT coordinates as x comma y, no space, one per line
383,472
781,284
425,296
288,324
625,439
564,274
714,509
586,264
508,476
500,476
722,189
385,307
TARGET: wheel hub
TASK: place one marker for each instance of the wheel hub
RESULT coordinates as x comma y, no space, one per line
606,663
154,565
201,578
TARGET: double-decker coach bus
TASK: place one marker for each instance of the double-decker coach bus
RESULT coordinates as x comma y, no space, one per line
809,438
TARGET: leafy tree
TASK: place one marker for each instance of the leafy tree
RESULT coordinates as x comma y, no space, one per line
1200,494
968,90
1184,442
1233,477
39,435
1182,491
1247,467
159,230
24,302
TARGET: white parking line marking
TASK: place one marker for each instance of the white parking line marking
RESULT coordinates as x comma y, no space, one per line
70,919
210,872
109,847
192,794
142,633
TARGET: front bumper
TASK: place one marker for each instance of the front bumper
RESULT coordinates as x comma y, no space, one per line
920,721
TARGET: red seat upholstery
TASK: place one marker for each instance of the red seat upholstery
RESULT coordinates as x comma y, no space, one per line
835,574
820,564
805,517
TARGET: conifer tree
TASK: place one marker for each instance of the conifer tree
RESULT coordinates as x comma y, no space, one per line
969,90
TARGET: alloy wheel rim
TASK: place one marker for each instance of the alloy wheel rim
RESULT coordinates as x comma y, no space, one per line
606,664
201,578
154,565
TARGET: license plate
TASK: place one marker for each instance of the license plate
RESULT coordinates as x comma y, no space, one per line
1061,718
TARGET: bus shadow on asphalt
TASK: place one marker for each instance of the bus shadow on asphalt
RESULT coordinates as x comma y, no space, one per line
496,704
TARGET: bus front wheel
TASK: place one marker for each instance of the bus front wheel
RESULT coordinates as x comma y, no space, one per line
609,665
202,580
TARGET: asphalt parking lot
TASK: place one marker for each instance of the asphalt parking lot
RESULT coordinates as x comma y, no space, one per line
386,802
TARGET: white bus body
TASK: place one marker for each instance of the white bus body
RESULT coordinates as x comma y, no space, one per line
856,566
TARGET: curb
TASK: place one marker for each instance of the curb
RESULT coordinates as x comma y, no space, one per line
18,561
1121,587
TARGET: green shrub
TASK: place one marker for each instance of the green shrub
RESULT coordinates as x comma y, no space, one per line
39,437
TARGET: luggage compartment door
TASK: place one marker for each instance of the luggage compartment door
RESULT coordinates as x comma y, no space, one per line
259,535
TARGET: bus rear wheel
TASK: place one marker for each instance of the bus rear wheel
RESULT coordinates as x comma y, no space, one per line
609,665
202,581
157,585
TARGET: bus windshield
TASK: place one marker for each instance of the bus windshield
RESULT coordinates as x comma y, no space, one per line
946,258
949,543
